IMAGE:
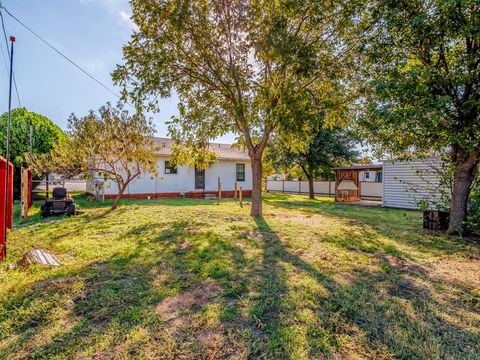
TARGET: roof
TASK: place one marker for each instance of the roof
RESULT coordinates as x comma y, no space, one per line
360,167
223,151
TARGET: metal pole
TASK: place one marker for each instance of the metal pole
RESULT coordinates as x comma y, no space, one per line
12,40
31,140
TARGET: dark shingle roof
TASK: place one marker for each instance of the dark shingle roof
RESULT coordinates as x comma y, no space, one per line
223,151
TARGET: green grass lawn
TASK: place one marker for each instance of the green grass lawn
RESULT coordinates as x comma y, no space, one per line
193,279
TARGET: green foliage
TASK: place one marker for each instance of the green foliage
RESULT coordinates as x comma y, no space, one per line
473,219
236,66
185,154
62,159
323,149
423,71
422,85
45,135
113,145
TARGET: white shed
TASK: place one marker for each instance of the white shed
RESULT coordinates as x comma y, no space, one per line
408,184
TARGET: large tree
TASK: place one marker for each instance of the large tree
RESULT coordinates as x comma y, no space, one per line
113,144
234,64
423,60
45,134
321,149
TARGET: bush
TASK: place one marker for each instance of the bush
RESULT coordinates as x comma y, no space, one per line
45,134
473,220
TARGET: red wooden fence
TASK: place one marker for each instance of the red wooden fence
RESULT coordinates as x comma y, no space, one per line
3,199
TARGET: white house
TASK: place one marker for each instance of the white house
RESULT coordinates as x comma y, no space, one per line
371,176
233,167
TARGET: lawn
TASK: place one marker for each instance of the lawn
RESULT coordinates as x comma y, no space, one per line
191,279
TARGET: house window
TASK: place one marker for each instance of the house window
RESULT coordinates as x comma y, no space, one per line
170,168
378,177
367,175
240,169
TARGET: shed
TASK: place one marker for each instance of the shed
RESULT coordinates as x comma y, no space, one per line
407,184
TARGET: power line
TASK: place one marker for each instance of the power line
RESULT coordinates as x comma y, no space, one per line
61,54
3,57
6,44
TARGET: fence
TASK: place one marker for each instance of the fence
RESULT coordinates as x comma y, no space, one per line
41,187
368,190
6,203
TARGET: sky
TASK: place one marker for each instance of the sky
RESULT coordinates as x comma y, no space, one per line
91,33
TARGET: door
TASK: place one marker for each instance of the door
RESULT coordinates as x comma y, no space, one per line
199,178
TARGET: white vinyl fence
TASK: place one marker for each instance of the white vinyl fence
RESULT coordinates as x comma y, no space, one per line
368,189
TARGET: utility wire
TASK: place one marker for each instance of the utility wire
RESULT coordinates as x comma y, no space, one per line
8,53
4,58
61,54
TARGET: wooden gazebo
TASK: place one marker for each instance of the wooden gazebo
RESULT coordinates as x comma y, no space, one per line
347,182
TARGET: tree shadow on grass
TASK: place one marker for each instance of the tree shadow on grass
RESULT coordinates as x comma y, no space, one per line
400,225
392,314
108,307
269,312
385,311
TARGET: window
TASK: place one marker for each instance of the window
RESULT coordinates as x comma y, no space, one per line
240,169
378,177
170,168
367,175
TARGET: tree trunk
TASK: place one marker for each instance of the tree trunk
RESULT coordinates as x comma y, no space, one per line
311,190
256,209
462,182
121,190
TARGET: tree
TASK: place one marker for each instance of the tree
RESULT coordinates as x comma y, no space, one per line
45,134
234,65
61,160
114,144
325,147
423,63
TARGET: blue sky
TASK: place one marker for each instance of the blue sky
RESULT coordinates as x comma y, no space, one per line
91,33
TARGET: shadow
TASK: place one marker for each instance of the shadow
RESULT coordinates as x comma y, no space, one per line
266,300
394,308
269,312
102,306
400,225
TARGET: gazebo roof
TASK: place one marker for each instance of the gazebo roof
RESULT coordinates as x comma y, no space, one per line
360,167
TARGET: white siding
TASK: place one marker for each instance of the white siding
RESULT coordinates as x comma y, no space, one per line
407,183
226,170
184,179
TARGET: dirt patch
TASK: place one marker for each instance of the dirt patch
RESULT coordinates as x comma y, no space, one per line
407,289
455,270
213,344
51,285
404,266
294,216
177,307
254,235
235,218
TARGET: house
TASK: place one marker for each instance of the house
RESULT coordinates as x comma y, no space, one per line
233,167
371,176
